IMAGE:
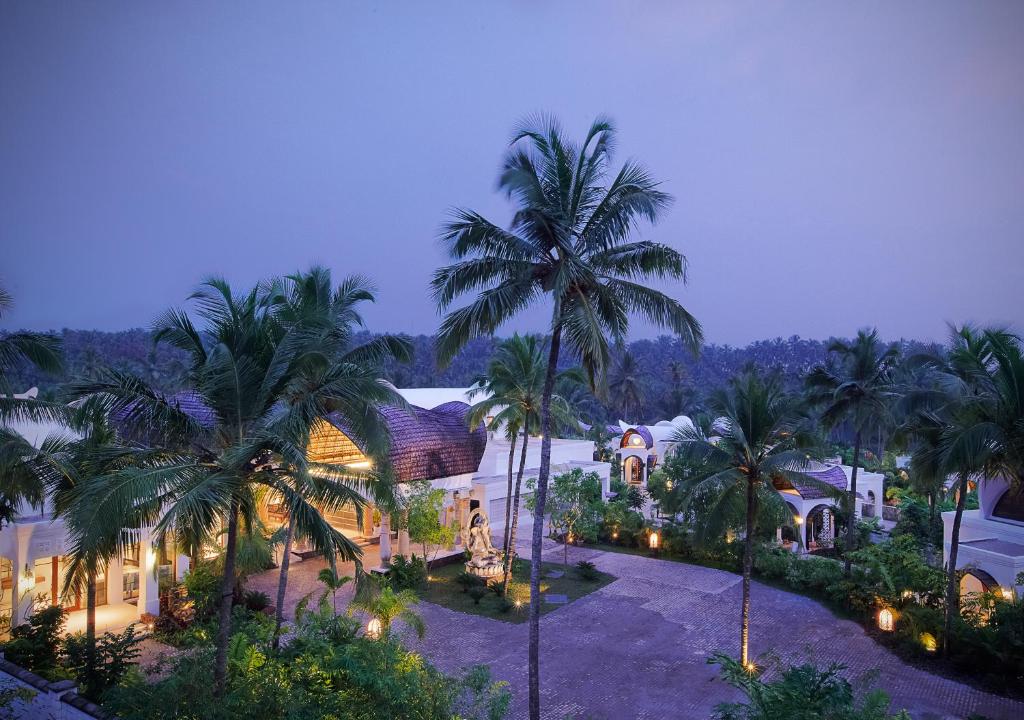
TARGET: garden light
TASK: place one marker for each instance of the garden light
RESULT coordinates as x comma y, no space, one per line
653,541
885,620
373,629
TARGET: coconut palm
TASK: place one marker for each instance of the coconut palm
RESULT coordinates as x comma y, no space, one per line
762,439
856,386
239,433
626,385
973,428
321,319
514,383
20,481
569,240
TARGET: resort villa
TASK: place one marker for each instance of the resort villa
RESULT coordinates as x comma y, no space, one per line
640,448
991,550
427,443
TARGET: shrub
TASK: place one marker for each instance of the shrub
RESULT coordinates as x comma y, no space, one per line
116,654
814,574
467,581
477,592
408,574
256,600
203,586
35,644
773,562
587,570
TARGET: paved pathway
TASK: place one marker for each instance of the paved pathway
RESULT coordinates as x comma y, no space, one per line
637,647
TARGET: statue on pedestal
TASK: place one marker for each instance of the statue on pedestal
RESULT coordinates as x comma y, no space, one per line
485,559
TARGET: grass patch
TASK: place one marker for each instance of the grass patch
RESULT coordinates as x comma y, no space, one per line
442,589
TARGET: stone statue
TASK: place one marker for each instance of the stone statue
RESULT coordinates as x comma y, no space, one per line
485,559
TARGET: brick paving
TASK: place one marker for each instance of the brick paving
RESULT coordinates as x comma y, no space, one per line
637,648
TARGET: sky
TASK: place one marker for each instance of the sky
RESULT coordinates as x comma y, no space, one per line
834,165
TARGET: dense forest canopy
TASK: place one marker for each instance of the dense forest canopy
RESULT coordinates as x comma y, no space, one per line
669,379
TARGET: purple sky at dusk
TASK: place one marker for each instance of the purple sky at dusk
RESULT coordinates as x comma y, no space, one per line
834,165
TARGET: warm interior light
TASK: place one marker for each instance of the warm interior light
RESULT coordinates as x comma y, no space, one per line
362,464
1007,594
373,629
653,541
27,581
885,620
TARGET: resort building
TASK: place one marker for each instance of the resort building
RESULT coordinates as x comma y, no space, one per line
32,564
641,448
991,550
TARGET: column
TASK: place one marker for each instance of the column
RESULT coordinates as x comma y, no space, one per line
149,587
183,567
403,536
115,582
385,539
23,584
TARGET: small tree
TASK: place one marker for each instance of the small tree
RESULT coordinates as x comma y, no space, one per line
573,503
424,505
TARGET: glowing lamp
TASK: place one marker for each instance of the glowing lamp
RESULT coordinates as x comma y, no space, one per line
374,629
615,534
27,581
1007,594
798,520
653,541
906,594
519,603
885,620
750,667
928,642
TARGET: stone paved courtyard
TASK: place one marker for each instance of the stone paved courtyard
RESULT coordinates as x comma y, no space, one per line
637,648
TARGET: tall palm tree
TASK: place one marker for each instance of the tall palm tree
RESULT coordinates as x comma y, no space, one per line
514,383
973,429
238,433
855,387
626,386
321,319
42,351
569,240
762,439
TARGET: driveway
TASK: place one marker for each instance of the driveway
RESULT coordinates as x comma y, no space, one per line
637,648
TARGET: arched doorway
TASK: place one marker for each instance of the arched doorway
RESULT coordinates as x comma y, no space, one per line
821,528
632,470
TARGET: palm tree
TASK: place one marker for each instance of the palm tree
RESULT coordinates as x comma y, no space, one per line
514,383
241,431
314,315
626,385
973,429
856,388
20,482
763,439
568,240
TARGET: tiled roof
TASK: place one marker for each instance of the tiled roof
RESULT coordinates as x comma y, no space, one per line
832,475
429,444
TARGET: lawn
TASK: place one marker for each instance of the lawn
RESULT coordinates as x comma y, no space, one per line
442,589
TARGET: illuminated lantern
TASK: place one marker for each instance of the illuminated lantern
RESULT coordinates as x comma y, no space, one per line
653,541
885,620
374,629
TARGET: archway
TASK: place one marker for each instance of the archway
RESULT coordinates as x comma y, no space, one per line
822,528
632,470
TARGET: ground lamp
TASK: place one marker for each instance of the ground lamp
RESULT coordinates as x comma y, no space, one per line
886,620
374,629
652,542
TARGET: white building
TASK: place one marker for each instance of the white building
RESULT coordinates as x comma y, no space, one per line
32,565
991,550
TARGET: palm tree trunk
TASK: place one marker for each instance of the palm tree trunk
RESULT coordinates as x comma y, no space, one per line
90,628
952,586
508,493
282,583
851,515
510,555
227,594
748,562
538,518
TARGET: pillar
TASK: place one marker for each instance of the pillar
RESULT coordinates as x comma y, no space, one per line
115,582
149,587
385,539
778,535
23,587
183,567
403,536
